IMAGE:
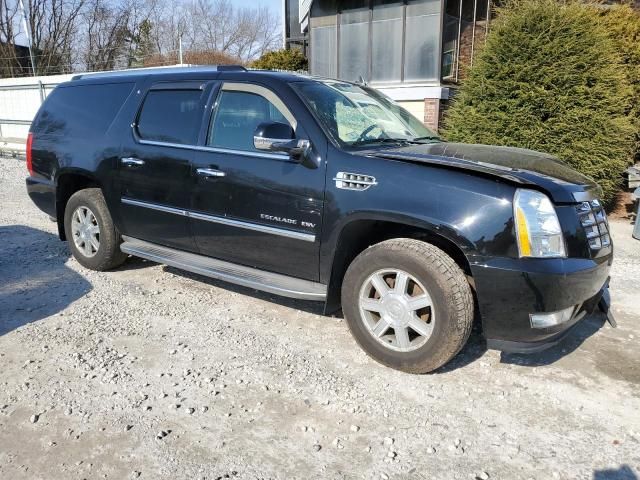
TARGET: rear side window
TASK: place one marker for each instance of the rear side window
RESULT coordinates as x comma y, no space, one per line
171,116
83,110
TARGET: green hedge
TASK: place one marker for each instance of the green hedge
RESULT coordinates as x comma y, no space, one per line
549,78
284,59
622,23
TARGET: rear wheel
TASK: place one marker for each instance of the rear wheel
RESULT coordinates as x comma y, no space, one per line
90,232
408,304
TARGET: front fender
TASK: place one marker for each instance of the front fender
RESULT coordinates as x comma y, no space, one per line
470,212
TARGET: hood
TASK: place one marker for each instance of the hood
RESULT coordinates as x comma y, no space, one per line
518,165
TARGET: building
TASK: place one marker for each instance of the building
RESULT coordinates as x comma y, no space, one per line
14,61
415,51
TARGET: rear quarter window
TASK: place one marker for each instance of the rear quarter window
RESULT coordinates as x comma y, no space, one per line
82,110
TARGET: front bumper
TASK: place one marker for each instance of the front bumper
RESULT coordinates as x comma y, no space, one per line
509,290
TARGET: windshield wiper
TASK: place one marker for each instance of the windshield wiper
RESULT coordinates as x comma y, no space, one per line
369,141
427,137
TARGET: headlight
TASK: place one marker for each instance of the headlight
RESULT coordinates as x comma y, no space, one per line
537,226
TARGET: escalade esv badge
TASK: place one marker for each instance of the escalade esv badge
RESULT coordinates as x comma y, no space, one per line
274,218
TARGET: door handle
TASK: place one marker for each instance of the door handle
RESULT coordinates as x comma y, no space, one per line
210,172
132,162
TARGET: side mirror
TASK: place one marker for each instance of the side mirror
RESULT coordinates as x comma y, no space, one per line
280,137
268,134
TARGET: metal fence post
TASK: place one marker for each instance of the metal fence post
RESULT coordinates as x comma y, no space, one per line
41,87
636,228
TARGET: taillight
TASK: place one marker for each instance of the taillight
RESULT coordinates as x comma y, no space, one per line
29,157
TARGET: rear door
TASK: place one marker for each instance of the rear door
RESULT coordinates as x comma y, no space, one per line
260,209
155,173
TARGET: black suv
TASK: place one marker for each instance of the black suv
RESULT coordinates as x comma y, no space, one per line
323,190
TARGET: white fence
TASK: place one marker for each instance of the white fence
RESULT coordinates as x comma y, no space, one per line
20,99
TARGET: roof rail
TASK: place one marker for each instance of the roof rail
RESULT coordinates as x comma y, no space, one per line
160,70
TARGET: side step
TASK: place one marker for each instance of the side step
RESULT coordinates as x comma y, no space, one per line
229,272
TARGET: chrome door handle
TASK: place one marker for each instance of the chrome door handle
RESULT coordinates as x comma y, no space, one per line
210,172
132,162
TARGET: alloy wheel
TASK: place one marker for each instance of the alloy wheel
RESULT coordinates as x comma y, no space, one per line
85,231
396,309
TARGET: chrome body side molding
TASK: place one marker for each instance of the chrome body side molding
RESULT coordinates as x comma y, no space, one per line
256,227
202,148
239,274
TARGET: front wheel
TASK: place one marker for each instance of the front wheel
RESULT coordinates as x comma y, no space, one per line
408,304
92,237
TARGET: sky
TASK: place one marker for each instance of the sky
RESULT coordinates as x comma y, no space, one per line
274,5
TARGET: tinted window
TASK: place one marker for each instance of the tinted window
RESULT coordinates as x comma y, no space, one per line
83,110
171,116
237,116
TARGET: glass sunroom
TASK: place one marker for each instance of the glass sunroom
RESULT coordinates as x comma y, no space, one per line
412,50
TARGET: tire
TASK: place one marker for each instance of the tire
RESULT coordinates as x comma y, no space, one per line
445,317
108,254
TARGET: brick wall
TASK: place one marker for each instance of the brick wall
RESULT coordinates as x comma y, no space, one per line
432,113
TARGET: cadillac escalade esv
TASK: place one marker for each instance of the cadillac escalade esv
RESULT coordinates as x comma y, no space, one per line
323,190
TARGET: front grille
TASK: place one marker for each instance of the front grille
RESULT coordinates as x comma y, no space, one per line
594,221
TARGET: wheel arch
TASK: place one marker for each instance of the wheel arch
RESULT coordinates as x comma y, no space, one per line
69,182
359,233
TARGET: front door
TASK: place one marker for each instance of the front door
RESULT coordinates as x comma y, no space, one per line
249,207
155,166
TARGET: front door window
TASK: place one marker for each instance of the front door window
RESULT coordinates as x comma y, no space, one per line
238,114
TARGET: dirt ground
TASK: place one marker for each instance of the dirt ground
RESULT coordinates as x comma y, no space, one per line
148,372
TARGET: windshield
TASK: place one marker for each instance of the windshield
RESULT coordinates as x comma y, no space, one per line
358,115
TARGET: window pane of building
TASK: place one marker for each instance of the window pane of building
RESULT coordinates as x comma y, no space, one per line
292,20
450,38
354,44
323,51
386,43
422,40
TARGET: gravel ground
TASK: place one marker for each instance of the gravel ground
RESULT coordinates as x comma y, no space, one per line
149,372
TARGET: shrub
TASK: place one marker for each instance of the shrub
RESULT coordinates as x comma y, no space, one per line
623,26
550,79
193,57
284,59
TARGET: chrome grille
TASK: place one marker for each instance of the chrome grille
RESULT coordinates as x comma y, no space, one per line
594,221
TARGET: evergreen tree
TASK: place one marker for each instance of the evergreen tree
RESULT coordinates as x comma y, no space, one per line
623,25
143,46
550,79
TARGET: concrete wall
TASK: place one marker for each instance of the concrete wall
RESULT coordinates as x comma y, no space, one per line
415,107
422,101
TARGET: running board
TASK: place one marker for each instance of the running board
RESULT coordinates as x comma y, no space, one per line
229,272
